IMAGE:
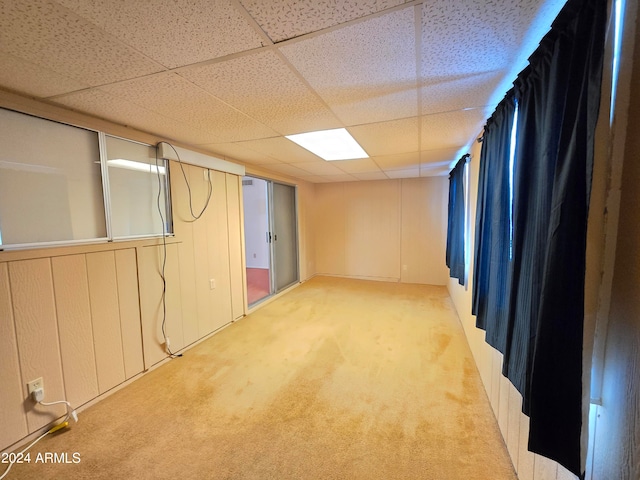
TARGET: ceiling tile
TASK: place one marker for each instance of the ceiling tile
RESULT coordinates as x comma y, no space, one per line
265,88
371,176
340,178
361,165
398,162
472,36
320,168
282,19
103,105
314,179
434,170
445,94
177,32
365,72
445,155
26,77
407,173
238,151
451,129
46,34
386,138
288,170
175,97
281,149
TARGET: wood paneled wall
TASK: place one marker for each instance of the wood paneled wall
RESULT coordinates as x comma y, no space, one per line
71,320
616,441
391,230
88,318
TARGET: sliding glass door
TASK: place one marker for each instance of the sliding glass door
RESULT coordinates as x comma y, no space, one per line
271,239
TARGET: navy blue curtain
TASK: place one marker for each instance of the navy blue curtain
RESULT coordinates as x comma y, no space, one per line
455,224
541,283
492,237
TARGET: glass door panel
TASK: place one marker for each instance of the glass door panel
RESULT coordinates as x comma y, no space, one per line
285,239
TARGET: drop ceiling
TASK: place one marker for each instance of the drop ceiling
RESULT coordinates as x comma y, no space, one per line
413,82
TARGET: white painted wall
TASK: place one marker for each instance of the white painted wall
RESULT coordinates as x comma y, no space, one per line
392,230
256,223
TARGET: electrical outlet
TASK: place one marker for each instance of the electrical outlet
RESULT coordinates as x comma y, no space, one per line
212,283
34,385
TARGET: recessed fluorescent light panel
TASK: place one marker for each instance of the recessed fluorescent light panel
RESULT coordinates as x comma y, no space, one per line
336,144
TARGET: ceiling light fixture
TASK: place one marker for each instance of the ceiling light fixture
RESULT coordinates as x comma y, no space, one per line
336,144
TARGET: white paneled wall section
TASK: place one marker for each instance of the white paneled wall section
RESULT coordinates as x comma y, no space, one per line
393,230
88,318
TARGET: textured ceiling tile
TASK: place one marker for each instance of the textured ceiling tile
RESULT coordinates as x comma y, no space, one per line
46,34
104,105
237,151
288,170
174,97
23,76
472,36
281,149
362,165
320,168
385,138
172,32
452,129
458,92
407,173
370,176
282,19
365,72
264,87
435,170
445,155
398,162
314,179
340,178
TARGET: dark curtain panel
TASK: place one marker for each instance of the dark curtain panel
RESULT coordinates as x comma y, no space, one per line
529,294
455,224
555,406
492,238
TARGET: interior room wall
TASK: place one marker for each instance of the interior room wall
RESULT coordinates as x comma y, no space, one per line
393,230
256,223
87,318
616,446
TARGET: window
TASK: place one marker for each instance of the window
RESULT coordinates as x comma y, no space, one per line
512,160
618,8
137,180
50,182
53,190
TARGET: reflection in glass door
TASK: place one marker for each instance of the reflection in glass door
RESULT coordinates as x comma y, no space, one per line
285,244
256,241
271,247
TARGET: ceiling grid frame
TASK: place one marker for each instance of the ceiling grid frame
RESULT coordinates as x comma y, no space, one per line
470,98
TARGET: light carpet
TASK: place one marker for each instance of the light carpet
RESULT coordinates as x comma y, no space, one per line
337,379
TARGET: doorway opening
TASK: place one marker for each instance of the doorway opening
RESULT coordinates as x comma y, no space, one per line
271,239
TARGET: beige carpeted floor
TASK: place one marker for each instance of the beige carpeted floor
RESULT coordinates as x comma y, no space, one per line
337,379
